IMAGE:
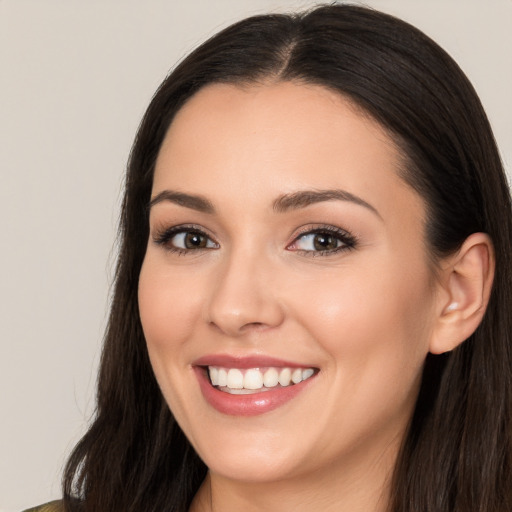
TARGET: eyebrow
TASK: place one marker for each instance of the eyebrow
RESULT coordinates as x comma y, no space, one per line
304,198
194,202
284,203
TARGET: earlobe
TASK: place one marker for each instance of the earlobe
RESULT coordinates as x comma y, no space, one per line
466,282
452,307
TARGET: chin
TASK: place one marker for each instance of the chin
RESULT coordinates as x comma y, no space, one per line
251,456
257,470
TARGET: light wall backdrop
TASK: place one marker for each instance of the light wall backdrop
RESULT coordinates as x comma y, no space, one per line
75,78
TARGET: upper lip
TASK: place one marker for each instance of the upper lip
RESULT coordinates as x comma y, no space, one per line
245,362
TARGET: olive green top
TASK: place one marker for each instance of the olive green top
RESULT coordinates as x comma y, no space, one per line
53,506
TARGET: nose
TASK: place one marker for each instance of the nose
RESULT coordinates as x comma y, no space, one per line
244,297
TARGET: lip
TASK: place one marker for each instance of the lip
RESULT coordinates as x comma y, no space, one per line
252,404
245,362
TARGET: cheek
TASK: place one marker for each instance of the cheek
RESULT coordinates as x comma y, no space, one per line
376,311
376,343
169,304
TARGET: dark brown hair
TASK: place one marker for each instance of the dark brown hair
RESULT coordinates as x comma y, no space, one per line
457,455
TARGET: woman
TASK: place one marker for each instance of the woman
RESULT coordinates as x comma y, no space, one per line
312,297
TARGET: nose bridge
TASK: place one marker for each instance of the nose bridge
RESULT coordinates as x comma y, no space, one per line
242,295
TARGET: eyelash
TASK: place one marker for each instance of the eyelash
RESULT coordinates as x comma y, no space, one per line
164,237
348,241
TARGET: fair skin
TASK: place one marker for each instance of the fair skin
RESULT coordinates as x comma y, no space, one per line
340,283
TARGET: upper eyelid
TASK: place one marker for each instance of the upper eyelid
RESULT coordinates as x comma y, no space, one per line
162,235
310,228
349,240
182,227
319,228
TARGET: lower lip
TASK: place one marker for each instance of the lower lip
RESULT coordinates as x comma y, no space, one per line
247,405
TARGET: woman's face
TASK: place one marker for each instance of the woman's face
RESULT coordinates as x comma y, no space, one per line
283,244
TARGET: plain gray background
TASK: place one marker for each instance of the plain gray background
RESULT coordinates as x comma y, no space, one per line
75,79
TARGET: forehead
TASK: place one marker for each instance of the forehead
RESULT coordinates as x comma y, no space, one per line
284,116
276,138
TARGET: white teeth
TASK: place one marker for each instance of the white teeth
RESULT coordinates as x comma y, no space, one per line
214,375
223,378
235,379
297,375
285,377
253,379
308,372
271,378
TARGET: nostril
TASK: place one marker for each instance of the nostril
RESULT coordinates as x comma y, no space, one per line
253,325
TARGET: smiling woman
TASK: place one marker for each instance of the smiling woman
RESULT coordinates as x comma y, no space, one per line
282,281
312,298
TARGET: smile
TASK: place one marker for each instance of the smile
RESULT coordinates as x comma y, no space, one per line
256,380
251,385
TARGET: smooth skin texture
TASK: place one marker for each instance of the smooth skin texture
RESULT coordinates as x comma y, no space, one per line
365,311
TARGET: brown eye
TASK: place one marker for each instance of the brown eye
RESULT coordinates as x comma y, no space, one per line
192,240
184,240
325,242
319,242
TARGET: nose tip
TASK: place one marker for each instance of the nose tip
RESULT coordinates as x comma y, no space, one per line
236,322
243,301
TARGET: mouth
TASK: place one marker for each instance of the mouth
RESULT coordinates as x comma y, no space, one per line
251,385
238,381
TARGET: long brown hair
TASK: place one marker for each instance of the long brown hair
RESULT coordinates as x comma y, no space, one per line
457,455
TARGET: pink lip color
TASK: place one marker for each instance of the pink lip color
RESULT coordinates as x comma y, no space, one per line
245,362
246,405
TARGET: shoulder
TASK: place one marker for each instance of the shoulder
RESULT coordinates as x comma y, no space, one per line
53,506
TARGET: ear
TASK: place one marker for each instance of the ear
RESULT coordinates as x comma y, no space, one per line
465,287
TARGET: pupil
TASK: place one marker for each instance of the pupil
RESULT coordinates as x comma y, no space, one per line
323,242
194,240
